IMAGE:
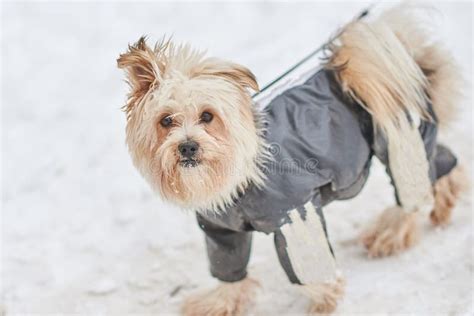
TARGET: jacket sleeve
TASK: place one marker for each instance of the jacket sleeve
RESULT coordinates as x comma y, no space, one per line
303,248
440,159
228,250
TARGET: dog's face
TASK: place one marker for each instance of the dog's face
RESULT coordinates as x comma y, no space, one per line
190,128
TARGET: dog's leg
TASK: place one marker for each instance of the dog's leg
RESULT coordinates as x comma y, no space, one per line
229,253
447,190
306,256
394,231
397,229
451,182
227,299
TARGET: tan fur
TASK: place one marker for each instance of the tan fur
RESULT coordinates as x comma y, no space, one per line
324,296
445,81
230,71
228,299
395,230
143,69
376,70
447,191
177,81
394,63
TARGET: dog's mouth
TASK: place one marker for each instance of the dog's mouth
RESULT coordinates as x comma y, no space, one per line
188,163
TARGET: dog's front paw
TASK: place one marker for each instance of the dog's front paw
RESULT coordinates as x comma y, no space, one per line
395,230
228,299
324,297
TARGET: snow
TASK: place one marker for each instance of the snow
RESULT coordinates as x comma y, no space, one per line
82,232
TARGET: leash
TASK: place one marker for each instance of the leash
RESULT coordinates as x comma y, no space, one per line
358,17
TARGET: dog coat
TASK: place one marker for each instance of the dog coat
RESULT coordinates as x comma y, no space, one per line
321,143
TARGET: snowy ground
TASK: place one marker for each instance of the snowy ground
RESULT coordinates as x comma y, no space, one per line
83,234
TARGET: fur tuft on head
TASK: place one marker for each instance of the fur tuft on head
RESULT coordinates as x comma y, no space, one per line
144,67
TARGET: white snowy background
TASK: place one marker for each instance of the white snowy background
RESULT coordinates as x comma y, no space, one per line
81,231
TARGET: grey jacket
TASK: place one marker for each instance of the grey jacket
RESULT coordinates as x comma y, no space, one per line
322,143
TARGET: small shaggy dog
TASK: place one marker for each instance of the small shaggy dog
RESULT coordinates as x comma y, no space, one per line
197,137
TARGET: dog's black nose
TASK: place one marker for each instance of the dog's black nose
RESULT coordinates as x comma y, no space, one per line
188,149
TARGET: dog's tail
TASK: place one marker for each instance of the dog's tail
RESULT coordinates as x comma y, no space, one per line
443,78
391,67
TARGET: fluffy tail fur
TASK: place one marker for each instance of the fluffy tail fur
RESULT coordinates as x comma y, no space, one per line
443,76
391,67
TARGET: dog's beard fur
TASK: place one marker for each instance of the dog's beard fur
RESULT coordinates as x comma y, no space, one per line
176,81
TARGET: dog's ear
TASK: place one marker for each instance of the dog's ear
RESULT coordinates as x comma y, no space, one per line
143,68
230,71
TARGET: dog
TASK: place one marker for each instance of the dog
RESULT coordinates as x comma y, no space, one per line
196,136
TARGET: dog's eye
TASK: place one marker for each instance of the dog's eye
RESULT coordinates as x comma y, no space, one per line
166,121
206,117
